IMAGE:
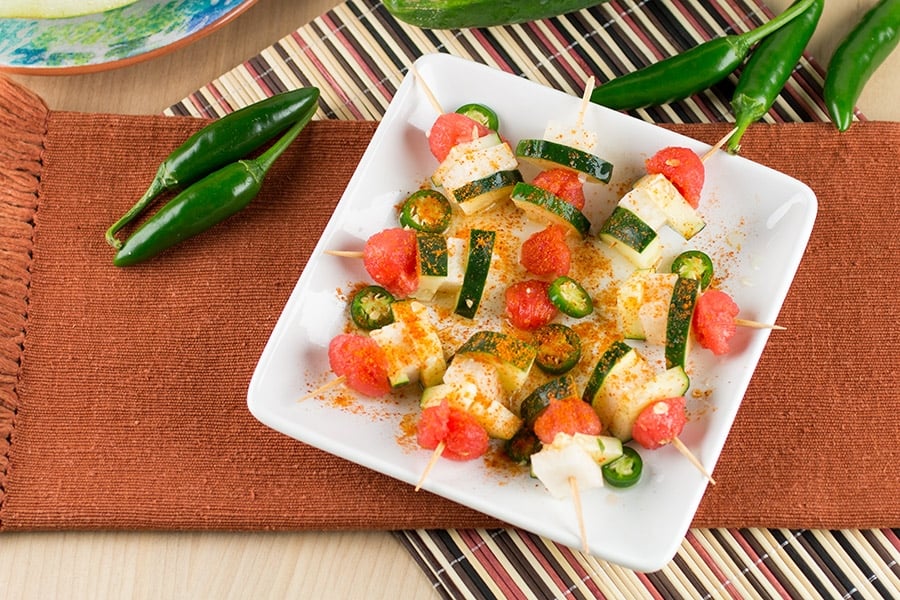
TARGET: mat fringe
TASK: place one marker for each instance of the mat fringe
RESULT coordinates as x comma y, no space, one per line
23,123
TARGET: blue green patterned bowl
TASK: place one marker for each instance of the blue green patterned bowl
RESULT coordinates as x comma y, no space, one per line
112,39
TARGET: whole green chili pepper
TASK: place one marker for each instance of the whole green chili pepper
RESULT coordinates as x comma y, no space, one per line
857,57
224,141
768,69
691,71
206,202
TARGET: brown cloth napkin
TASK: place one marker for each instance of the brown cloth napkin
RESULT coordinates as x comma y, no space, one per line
123,391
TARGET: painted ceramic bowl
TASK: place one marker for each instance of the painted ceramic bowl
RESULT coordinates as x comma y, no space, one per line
110,39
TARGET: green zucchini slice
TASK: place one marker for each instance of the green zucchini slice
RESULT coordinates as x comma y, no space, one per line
544,207
678,325
511,356
552,155
478,264
483,193
634,239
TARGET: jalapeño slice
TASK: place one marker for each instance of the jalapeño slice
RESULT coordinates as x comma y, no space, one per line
570,298
482,114
371,308
694,264
559,348
426,210
624,471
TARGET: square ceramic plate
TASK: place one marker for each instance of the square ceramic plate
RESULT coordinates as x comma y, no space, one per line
758,225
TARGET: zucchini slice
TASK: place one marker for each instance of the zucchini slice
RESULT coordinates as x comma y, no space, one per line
634,239
539,399
481,194
551,155
442,265
511,356
478,264
678,325
544,207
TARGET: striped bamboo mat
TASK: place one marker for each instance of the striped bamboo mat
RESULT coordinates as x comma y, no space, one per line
357,54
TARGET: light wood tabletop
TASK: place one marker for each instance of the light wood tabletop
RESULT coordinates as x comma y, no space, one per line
121,564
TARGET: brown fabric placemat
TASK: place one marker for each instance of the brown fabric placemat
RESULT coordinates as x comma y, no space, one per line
123,391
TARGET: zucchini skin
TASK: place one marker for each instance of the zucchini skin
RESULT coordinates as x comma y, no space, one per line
459,14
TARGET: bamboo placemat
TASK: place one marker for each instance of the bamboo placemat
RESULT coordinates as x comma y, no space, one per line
358,54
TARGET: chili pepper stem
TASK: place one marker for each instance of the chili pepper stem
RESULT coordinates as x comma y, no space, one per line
753,36
259,166
157,186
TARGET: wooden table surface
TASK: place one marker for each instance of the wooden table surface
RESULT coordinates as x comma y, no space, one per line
258,565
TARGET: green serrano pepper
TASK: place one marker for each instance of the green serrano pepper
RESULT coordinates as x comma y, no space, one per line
857,57
224,141
691,71
205,202
769,68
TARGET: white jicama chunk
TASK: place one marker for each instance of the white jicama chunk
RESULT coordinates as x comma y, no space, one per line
555,465
638,201
642,305
461,152
574,137
483,375
458,170
601,448
680,215
411,344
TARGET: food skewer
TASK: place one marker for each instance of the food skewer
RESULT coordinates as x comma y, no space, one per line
345,253
679,445
435,456
427,90
576,499
323,388
757,324
718,145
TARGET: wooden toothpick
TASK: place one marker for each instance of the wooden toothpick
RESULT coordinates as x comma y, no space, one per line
428,94
585,99
345,253
718,145
323,388
679,445
757,324
576,498
439,449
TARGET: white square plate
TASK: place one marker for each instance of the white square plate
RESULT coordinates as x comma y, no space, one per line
758,225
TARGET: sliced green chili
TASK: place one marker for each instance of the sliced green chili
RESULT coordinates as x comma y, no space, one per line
691,71
558,348
694,264
570,298
482,114
857,57
426,210
624,471
768,69
223,141
522,445
371,308
206,202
